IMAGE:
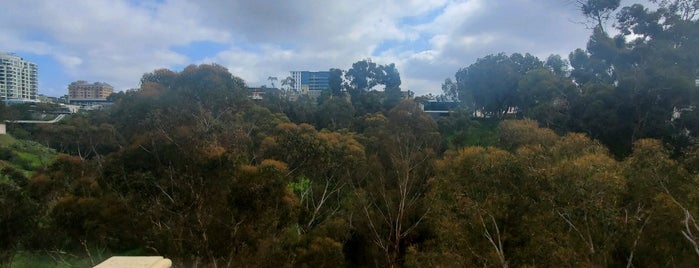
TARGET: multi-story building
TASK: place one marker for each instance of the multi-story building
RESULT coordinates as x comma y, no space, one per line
305,80
82,90
18,78
89,96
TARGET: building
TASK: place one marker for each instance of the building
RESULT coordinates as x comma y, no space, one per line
439,108
18,78
81,90
259,93
89,96
305,80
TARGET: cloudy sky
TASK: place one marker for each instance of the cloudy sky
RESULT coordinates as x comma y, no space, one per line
117,41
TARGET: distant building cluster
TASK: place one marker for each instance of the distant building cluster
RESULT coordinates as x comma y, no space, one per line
305,83
18,78
19,83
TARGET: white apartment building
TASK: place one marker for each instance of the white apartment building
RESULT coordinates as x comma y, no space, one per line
18,78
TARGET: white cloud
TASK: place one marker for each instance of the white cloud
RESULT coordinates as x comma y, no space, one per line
117,41
110,41
69,62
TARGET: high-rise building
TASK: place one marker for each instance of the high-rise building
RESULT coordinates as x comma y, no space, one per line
18,78
305,80
84,91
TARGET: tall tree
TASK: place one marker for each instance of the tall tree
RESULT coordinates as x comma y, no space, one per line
363,78
557,65
652,73
546,96
659,195
598,11
335,82
289,84
390,78
391,200
492,81
686,9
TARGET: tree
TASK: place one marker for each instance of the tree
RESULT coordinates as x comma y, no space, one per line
468,198
585,188
163,78
598,11
362,76
650,77
335,113
492,81
18,214
557,65
324,166
489,204
686,9
451,90
336,83
546,97
321,163
301,110
3,111
391,199
271,80
289,83
390,78
82,135
362,79
658,191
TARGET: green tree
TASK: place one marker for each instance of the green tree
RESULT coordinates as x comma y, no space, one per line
492,81
335,82
490,204
651,74
390,78
323,165
362,79
557,65
391,198
598,11
546,97
659,190
335,113
18,214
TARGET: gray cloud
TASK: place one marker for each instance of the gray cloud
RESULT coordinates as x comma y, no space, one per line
118,41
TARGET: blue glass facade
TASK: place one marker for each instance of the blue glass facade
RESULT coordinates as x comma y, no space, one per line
312,80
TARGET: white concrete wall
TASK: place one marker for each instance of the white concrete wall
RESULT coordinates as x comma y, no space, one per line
136,262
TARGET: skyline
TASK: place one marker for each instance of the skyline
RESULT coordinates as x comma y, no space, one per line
116,42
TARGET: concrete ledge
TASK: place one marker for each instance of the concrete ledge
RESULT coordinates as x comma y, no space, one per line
136,262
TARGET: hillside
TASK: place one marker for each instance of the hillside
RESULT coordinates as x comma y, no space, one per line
23,155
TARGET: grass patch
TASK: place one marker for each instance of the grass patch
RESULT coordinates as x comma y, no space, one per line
7,140
24,155
49,260
32,160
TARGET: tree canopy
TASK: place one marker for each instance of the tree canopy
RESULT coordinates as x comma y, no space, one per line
586,161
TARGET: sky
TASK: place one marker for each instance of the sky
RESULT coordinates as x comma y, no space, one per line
117,41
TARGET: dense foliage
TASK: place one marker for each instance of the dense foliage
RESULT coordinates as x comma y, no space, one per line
588,162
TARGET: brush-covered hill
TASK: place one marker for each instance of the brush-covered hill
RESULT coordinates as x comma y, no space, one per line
23,155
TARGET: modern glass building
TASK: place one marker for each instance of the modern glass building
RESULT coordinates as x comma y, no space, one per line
18,78
306,80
